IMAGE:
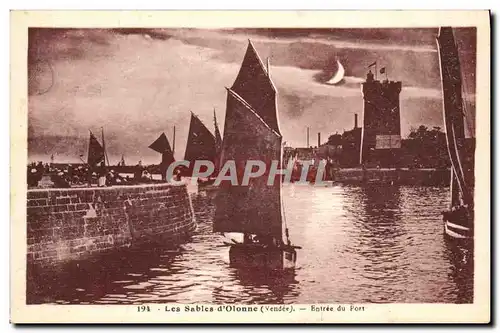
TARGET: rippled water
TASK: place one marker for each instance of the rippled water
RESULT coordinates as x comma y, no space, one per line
359,244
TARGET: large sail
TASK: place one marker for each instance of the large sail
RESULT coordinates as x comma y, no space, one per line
255,208
201,142
162,146
453,111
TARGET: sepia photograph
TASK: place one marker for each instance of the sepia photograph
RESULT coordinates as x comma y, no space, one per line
237,169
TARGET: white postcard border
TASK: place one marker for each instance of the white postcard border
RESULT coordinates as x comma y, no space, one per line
479,311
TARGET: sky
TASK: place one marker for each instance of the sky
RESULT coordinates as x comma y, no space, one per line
138,83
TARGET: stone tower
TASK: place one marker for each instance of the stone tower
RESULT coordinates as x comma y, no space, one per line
381,135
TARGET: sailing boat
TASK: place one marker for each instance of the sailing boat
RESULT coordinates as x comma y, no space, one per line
459,219
96,158
201,145
96,152
251,132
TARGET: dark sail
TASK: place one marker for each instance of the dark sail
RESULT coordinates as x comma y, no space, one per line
96,151
255,208
162,146
218,145
251,133
256,88
201,142
453,111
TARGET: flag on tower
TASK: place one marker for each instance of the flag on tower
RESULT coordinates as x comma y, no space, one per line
373,64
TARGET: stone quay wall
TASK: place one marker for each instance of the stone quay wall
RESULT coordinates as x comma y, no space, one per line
76,223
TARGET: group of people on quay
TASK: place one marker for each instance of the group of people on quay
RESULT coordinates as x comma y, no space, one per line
83,175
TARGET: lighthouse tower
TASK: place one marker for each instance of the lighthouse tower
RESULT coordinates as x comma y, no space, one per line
381,135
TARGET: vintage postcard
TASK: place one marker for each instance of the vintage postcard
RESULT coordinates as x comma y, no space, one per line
250,167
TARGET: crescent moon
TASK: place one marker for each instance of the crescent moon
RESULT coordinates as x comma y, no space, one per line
338,76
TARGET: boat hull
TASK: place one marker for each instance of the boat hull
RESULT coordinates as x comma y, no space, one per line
254,256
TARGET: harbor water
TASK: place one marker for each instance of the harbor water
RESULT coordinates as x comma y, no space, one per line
359,245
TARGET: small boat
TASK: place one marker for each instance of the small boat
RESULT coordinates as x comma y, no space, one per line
459,219
251,132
